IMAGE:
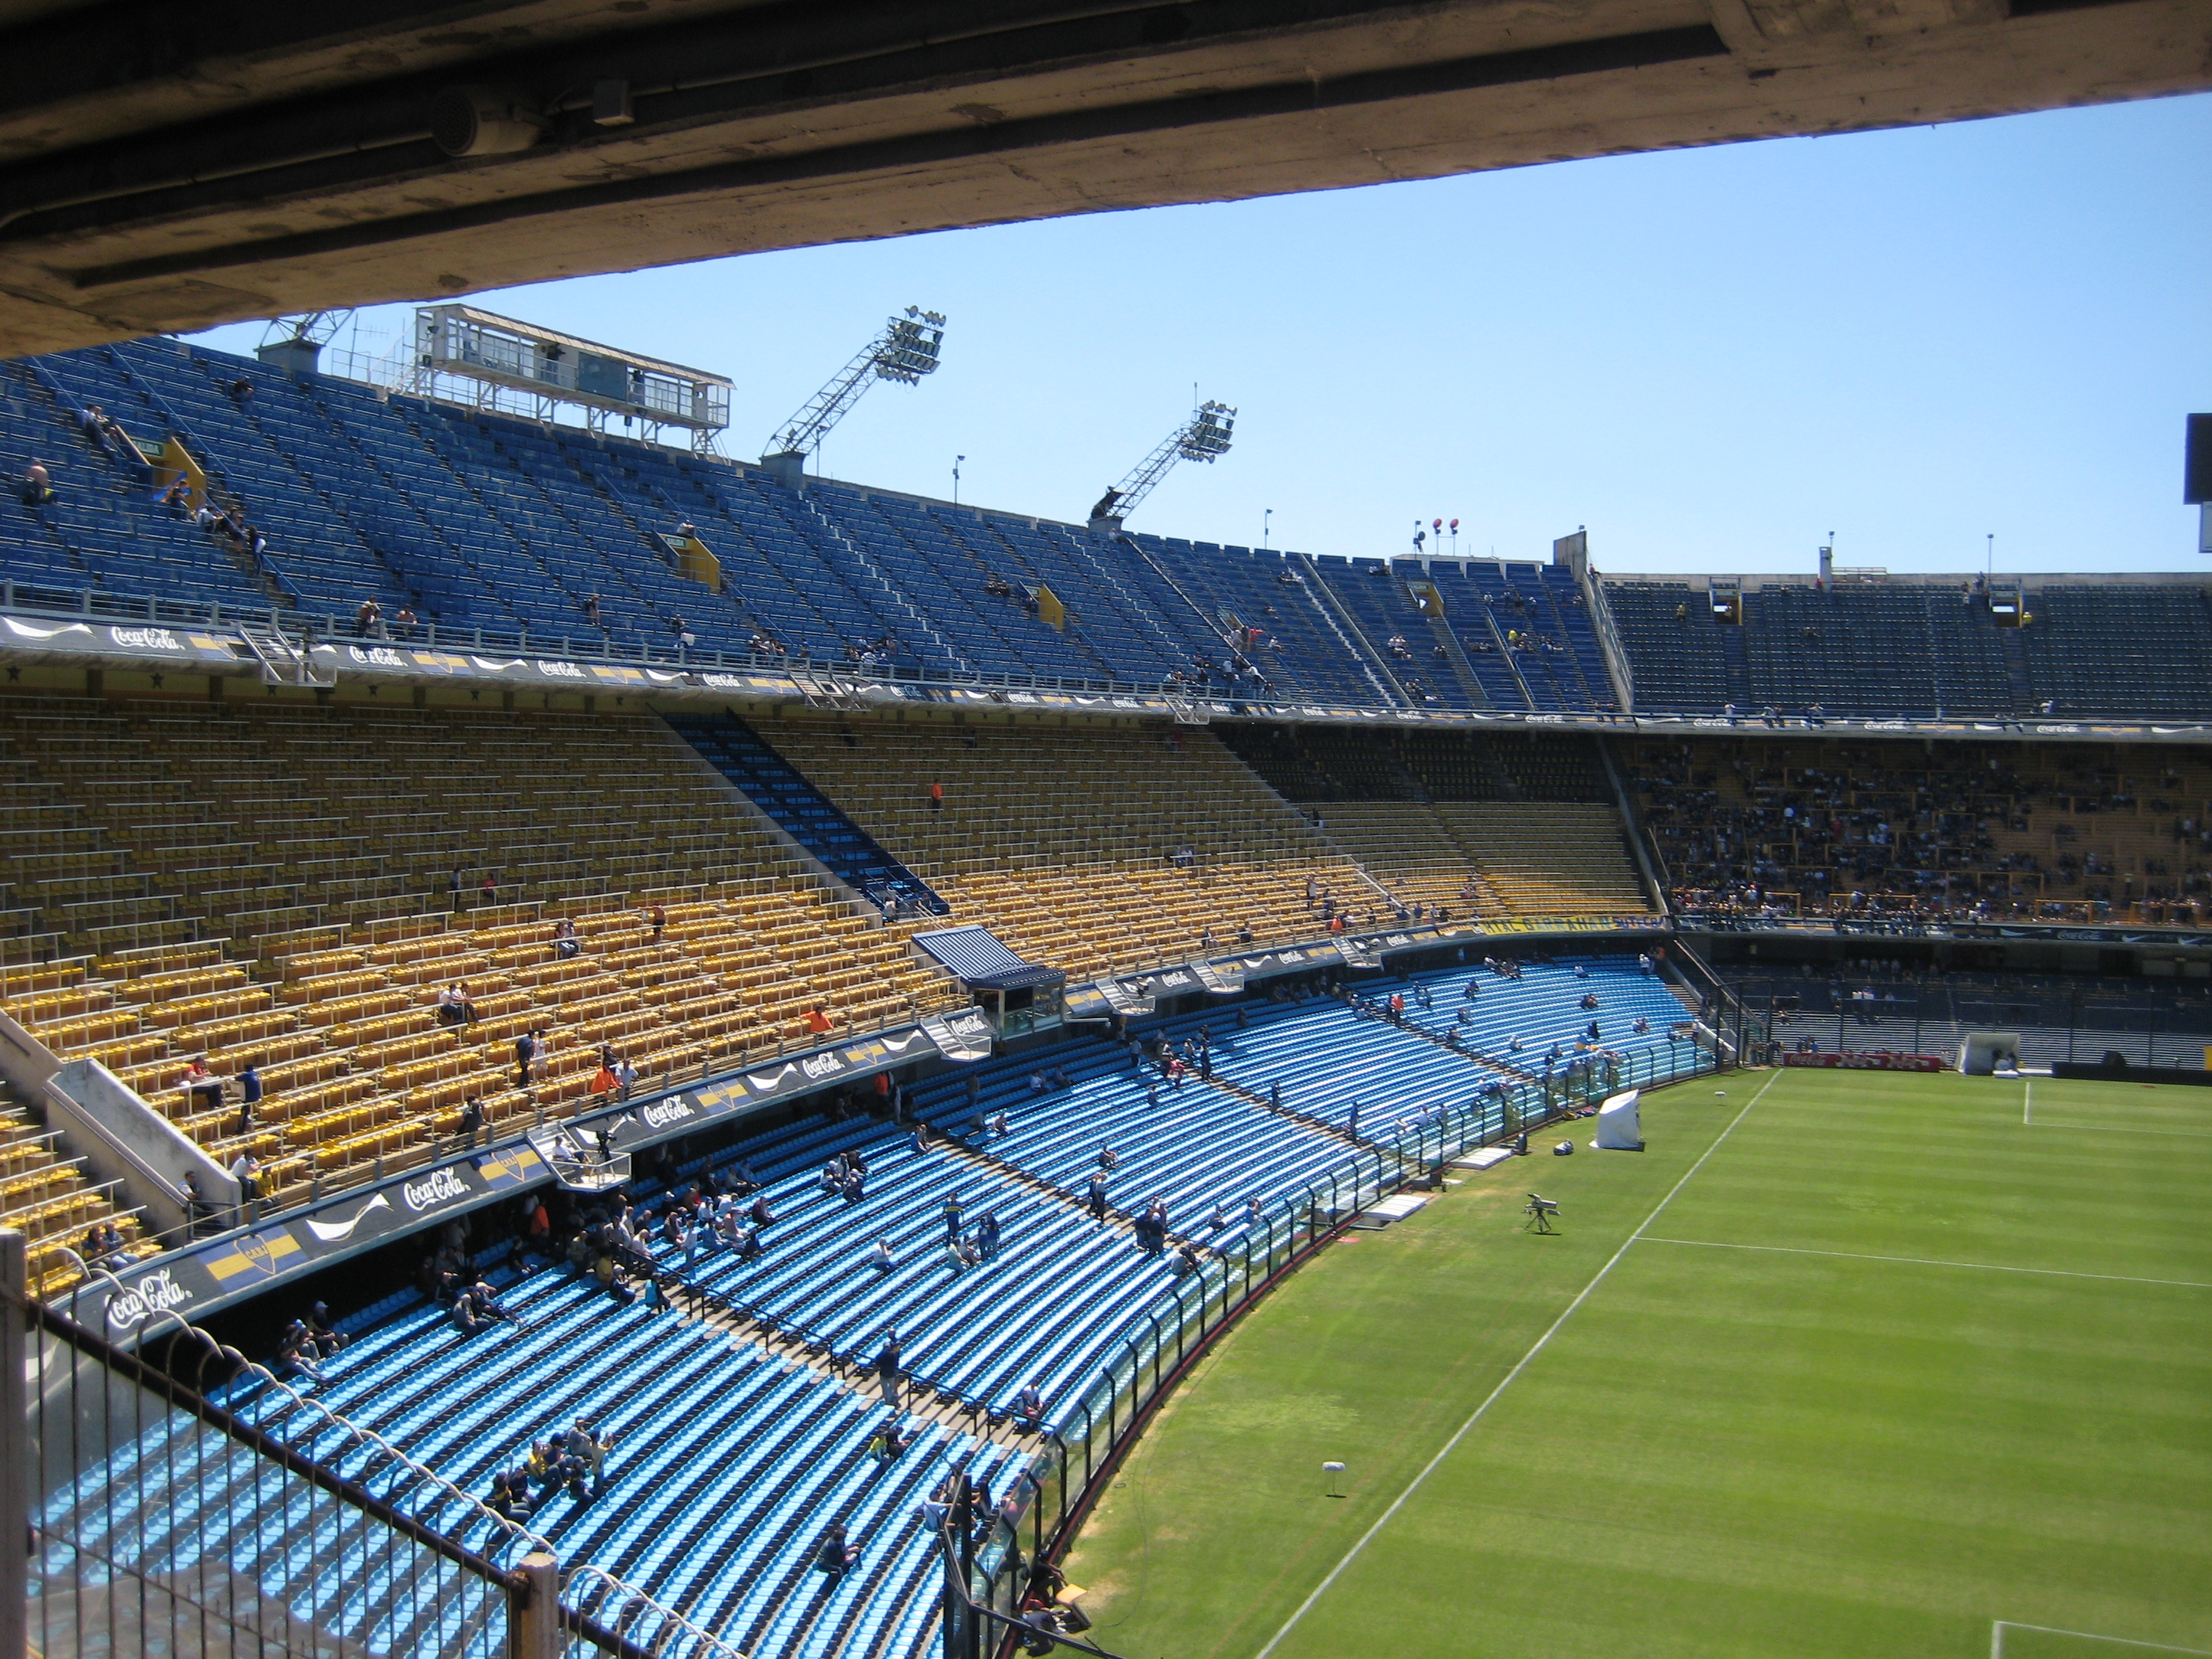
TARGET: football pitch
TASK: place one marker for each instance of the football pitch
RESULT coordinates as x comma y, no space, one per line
1845,1364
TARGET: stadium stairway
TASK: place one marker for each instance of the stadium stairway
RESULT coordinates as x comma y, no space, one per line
1065,842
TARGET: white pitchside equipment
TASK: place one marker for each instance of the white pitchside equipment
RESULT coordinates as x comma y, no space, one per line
1618,1128
1982,1052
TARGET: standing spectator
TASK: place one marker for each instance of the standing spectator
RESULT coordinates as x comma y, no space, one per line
525,1050
936,796
889,1371
471,1121
369,620
592,610
249,1095
657,915
455,887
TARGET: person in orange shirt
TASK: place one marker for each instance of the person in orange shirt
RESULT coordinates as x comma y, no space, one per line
818,1022
937,797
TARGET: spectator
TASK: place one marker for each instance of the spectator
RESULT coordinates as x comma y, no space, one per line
1029,1406
834,1554
178,497
889,1441
471,1122
591,1450
455,887
987,1236
592,610
488,889
881,1258
295,1355
106,1248
525,1050
326,1337
202,1088
952,1215
891,1367
369,620
817,1021
249,1095
657,916
453,1007
566,945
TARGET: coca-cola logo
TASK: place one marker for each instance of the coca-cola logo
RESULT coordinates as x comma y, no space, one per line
822,1065
156,1292
660,1113
441,1187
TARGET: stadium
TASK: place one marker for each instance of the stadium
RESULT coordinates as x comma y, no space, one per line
615,1049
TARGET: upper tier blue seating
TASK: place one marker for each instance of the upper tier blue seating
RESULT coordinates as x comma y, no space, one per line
1916,650
485,522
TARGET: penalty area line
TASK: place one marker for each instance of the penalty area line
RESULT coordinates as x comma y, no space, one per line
1998,1629
1507,1381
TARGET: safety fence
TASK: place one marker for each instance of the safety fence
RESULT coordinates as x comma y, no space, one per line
994,1561
180,1500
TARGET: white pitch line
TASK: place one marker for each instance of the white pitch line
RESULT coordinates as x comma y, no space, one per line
1506,1381
1928,1261
1997,1631
2028,1105
2126,1129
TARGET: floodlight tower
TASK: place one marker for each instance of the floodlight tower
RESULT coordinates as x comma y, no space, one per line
1204,437
295,343
906,349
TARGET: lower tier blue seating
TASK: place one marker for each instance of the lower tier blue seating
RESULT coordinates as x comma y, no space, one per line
733,1457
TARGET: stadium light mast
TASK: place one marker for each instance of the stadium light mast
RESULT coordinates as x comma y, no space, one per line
295,343
1204,437
904,350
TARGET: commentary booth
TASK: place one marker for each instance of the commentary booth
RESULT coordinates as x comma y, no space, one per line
1018,996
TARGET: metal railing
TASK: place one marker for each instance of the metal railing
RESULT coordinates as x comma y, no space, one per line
181,1499
1089,1435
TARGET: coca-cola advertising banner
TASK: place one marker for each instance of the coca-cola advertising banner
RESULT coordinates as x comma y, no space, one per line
1874,1062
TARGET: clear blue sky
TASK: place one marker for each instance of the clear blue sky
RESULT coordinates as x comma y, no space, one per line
1711,358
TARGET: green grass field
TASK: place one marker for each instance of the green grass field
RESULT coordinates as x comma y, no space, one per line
1845,1364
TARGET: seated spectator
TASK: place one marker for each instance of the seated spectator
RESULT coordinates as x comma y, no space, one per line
833,1555
178,497
1029,1406
889,1441
591,1450
453,1005
106,1248
881,1258
295,1355
476,1306
202,1088
565,942
510,1496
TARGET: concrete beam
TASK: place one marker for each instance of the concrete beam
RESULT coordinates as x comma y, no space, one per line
317,183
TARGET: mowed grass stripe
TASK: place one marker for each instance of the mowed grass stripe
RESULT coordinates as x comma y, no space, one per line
1372,1356
1724,1451
1942,1167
